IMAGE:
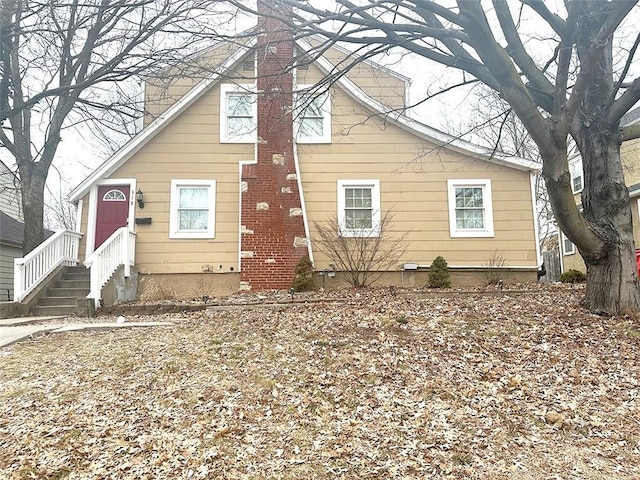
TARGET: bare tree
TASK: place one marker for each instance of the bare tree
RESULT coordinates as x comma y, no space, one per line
570,78
58,58
363,255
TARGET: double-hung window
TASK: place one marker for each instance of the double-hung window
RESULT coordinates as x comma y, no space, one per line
192,209
359,208
313,116
237,113
575,170
470,208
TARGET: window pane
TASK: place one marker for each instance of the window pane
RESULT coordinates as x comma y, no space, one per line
194,197
114,196
238,126
239,105
358,197
358,219
568,245
469,218
469,197
312,127
312,116
314,108
577,184
193,219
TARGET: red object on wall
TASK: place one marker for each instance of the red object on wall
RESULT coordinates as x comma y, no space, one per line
273,233
638,261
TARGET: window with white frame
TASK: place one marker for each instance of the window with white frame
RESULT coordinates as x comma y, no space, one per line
359,208
192,213
313,120
237,113
568,248
470,208
575,170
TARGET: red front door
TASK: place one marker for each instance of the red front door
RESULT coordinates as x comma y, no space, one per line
113,211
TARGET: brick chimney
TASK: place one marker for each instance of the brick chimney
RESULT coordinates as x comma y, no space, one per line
273,235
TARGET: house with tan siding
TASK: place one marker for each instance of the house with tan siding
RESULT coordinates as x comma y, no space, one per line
225,186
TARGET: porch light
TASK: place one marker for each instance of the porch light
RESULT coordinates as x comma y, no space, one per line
140,198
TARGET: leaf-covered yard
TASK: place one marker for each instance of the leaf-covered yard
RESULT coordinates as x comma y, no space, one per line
381,385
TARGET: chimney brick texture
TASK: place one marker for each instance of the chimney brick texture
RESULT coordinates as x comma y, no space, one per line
269,230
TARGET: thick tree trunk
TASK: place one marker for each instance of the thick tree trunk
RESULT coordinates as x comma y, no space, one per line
33,209
612,278
612,285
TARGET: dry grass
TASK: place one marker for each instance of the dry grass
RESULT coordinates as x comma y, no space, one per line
493,387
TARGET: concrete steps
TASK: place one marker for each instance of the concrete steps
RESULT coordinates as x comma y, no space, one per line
60,298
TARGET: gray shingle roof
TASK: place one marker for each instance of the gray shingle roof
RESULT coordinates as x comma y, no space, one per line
11,230
630,117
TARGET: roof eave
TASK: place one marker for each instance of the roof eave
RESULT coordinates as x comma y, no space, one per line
422,130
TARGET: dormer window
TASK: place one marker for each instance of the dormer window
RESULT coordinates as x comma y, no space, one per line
313,120
237,113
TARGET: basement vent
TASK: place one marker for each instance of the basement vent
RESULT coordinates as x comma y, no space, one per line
410,266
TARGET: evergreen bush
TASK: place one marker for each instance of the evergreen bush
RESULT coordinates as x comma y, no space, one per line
439,273
572,276
303,281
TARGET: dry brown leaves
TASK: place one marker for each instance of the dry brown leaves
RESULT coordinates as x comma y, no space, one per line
382,386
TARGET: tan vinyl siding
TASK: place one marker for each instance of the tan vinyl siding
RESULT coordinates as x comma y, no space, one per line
189,149
162,92
378,82
413,181
574,262
630,154
635,216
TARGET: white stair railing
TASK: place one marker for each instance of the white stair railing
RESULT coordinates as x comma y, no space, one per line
118,249
29,272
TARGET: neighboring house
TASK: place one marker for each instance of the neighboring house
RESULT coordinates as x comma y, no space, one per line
630,156
10,200
10,229
225,184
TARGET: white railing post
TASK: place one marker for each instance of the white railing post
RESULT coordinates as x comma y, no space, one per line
18,277
126,252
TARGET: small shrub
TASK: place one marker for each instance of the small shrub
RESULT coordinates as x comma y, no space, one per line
572,276
361,255
495,271
439,273
303,281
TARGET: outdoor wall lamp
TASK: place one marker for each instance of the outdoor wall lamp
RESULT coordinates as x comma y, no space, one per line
140,198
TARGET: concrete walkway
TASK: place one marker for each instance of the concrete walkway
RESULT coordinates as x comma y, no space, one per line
13,330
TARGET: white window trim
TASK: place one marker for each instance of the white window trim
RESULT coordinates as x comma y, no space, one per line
566,252
487,201
173,209
577,163
304,90
225,89
375,205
